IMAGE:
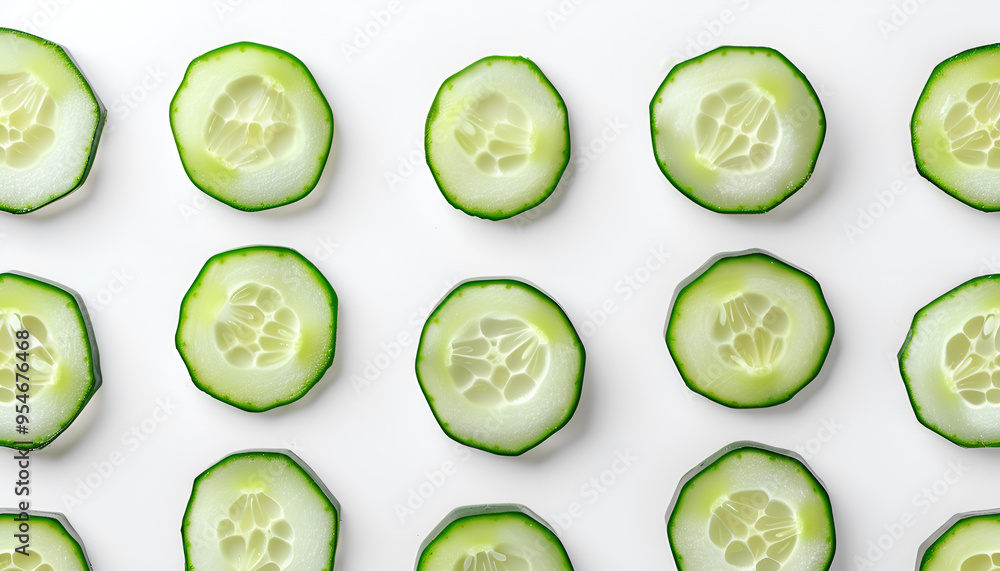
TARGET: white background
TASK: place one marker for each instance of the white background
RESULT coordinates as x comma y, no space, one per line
141,229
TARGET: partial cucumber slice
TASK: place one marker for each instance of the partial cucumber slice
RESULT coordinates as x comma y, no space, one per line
950,363
751,506
737,129
252,127
748,330
968,542
263,510
50,122
497,137
49,366
50,543
956,138
258,327
493,538
501,365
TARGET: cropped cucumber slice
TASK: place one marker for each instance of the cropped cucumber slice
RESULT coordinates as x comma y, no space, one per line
47,346
50,122
252,127
262,510
748,330
737,129
751,506
968,542
51,543
497,537
950,363
956,127
501,365
497,137
258,327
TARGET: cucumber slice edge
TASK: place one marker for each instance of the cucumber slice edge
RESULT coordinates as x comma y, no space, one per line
687,190
433,113
471,441
326,148
198,281
753,253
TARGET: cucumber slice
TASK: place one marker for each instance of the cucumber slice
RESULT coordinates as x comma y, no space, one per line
950,363
262,510
251,125
50,123
968,542
749,330
52,543
955,133
498,537
751,506
737,129
258,327
497,137
61,361
501,365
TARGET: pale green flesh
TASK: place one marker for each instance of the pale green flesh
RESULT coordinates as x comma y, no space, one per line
258,327
956,127
49,121
749,331
971,544
252,127
51,546
738,129
500,365
60,371
951,364
506,541
497,138
259,511
752,509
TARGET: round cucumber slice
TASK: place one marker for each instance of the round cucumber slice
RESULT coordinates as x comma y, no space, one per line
956,127
751,506
968,542
50,123
950,363
497,137
49,365
51,543
252,127
501,365
258,327
497,537
749,330
737,129
262,510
